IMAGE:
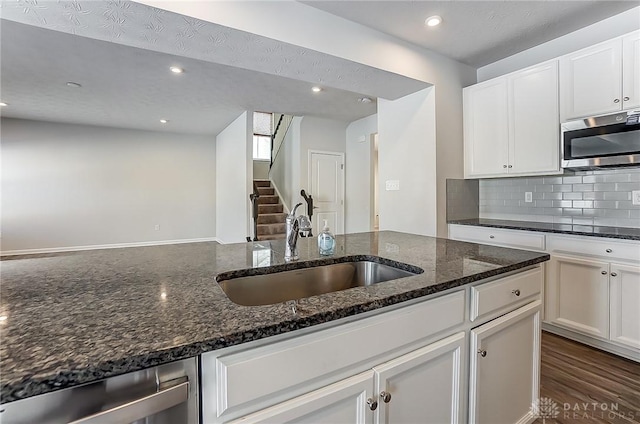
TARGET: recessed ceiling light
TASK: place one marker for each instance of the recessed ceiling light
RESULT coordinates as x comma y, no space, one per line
433,21
176,70
73,84
163,121
2,104
316,89
365,100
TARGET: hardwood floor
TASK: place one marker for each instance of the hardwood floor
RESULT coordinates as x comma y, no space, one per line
586,384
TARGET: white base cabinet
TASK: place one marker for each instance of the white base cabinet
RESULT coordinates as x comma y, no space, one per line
624,283
421,386
505,368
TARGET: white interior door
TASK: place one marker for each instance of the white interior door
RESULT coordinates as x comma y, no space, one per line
326,178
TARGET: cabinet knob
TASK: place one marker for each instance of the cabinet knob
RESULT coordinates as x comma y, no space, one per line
491,237
608,250
626,99
482,352
516,292
504,166
373,405
510,166
603,272
616,100
613,274
386,397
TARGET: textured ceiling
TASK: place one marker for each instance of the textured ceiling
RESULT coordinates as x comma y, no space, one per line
476,32
120,52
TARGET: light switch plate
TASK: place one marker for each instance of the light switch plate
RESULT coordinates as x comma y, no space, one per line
392,185
635,197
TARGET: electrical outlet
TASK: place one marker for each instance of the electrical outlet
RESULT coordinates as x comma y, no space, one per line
392,185
528,196
157,227
635,197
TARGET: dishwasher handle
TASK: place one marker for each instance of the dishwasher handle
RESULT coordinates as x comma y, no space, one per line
175,394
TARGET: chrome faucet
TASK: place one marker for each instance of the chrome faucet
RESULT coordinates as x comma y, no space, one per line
293,226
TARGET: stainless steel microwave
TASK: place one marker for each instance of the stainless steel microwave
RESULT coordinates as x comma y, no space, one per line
602,141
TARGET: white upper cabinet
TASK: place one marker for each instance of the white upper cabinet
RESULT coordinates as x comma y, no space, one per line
600,79
511,124
631,71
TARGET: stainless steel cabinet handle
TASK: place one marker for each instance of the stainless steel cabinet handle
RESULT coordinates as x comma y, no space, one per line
608,250
482,352
613,274
386,397
372,404
516,292
616,100
492,236
603,272
626,99
142,407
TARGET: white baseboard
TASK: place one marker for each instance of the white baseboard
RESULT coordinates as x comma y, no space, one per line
104,246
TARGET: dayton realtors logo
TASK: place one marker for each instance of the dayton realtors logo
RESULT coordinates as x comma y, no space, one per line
547,408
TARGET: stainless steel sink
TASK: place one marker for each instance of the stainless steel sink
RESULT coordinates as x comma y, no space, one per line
274,287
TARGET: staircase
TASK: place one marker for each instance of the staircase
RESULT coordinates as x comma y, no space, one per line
271,217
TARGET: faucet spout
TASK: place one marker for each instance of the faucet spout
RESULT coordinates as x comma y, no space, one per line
291,240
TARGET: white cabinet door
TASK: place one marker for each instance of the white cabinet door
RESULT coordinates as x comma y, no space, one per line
342,402
631,71
578,295
591,81
423,386
505,367
534,138
486,129
625,304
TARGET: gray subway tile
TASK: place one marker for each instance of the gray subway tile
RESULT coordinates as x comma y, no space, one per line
634,214
537,195
552,196
594,212
627,186
553,180
583,187
604,187
616,213
563,219
572,196
625,204
535,181
583,204
582,221
604,204
571,212
634,177
616,195
563,203
595,195
576,179
544,203
594,179
562,187
552,211
541,188
616,178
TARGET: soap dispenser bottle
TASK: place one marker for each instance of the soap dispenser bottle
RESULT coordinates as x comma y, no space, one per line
326,241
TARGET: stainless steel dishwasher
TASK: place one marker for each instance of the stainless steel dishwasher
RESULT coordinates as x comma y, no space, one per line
167,394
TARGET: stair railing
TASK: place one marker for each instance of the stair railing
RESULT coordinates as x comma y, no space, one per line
277,139
253,197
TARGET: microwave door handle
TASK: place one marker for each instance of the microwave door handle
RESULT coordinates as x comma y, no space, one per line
143,407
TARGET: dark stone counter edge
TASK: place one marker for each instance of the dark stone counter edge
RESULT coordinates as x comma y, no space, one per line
524,227
31,386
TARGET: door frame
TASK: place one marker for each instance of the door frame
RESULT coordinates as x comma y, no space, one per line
340,229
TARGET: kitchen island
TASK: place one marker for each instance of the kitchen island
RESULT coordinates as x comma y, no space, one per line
78,317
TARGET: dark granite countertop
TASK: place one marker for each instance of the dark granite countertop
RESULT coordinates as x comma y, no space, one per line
546,227
73,318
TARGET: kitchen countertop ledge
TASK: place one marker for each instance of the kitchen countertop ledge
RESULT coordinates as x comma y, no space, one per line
77,317
623,233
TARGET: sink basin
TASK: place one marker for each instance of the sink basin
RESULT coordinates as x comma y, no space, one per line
268,287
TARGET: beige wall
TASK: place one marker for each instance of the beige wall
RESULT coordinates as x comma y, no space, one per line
261,169
75,186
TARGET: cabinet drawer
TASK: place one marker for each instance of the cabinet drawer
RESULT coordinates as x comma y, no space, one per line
592,246
260,377
505,294
497,236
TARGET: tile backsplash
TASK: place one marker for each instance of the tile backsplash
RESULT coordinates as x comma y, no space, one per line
601,197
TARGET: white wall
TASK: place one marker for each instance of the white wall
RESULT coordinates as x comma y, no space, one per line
359,174
407,152
302,25
600,31
234,180
261,169
66,186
